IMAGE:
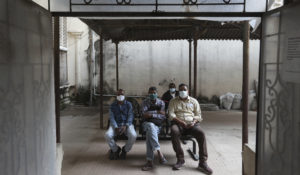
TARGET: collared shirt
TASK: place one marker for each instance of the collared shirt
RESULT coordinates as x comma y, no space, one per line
120,114
173,95
185,110
149,107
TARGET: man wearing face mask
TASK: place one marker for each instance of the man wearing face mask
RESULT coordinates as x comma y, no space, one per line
185,115
121,117
153,110
170,94
167,97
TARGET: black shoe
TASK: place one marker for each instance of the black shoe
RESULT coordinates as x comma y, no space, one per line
114,155
179,164
111,155
123,154
203,167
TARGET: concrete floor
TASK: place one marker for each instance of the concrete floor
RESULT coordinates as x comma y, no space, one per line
86,152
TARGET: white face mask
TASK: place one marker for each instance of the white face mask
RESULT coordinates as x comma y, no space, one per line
183,94
120,97
172,90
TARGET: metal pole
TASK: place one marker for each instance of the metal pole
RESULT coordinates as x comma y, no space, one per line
246,36
190,65
57,77
117,65
259,101
101,82
195,67
90,62
49,5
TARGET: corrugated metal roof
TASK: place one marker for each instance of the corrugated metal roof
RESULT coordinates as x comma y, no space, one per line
167,29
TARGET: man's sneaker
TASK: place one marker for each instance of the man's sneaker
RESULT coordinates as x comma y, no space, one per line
203,167
123,154
179,164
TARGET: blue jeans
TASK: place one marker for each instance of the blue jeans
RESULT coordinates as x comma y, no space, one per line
152,143
130,133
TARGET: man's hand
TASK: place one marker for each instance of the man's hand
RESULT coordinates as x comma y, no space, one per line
117,131
147,115
192,124
161,112
180,122
183,124
122,130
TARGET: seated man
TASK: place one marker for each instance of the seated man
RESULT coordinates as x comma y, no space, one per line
169,94
153,110
167,97
185,114
121,117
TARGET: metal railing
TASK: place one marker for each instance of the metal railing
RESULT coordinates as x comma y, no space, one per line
157,4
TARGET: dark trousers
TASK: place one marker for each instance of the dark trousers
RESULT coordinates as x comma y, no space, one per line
177,131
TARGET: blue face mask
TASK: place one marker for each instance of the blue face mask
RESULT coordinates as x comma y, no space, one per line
152,96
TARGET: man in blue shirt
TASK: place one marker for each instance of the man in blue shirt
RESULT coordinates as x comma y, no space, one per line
121,117
153,110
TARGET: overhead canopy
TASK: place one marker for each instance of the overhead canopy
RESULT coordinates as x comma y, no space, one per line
119,30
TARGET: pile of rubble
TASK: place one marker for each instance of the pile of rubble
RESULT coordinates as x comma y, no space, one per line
232,101
229,101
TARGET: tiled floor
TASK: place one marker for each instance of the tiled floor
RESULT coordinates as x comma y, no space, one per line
86,152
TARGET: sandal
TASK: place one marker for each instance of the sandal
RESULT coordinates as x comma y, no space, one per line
162,160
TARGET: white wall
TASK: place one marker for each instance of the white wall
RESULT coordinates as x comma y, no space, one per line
221,66
27,119
78,36
157,63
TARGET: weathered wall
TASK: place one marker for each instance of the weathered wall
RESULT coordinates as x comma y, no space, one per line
78,44
221,66
157,63
27,119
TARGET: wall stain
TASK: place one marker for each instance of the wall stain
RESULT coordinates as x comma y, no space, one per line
111,66
165,83
107,89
